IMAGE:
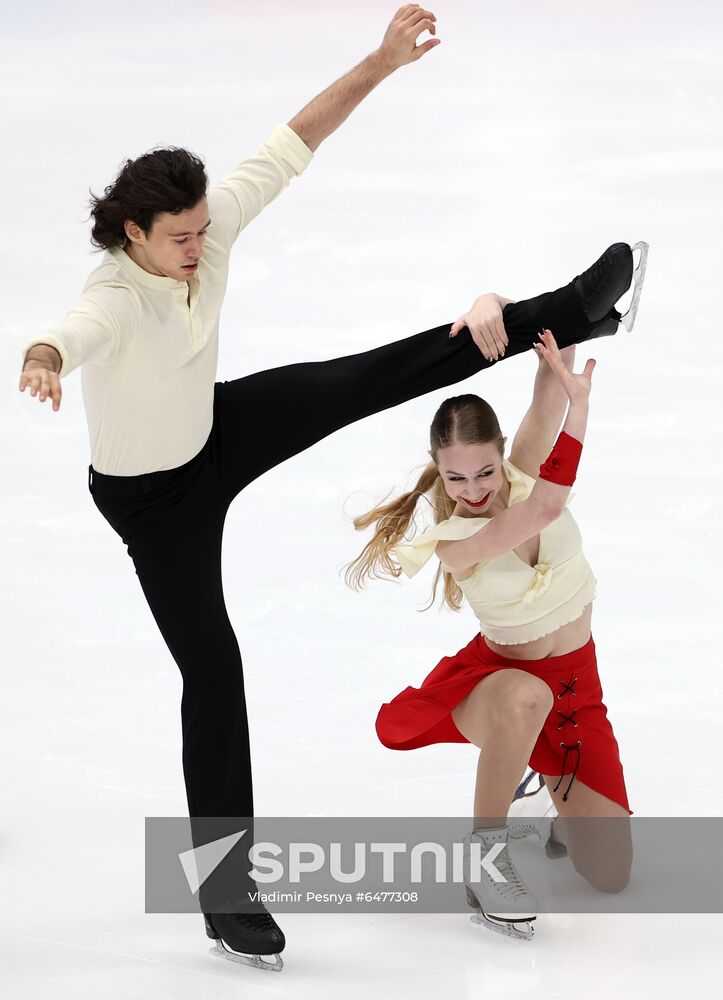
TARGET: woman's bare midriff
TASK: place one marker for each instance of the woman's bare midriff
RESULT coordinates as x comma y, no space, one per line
565,640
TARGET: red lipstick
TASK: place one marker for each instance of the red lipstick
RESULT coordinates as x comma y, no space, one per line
478,503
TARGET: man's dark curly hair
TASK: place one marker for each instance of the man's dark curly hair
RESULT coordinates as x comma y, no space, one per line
163,180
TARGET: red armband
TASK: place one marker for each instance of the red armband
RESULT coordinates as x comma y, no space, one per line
561,464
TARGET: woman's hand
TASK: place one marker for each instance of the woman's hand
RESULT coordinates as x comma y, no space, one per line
568,357
577,386
484,322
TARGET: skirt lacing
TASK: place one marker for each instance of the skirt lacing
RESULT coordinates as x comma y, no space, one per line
568,689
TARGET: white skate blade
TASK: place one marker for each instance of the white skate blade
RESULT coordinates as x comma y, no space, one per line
628,319
523,930
255,961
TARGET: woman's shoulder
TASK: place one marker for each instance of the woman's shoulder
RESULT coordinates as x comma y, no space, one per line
521,483
413,554
454,528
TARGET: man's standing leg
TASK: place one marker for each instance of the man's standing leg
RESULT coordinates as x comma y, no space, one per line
172,523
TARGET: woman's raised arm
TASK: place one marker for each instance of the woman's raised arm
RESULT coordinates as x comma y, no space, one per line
540,425
545,503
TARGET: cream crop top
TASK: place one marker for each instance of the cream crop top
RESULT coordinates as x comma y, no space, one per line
513,601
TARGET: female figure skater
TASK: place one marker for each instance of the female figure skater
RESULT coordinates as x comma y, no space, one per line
526,688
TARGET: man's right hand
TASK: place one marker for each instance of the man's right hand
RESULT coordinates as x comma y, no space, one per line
40,374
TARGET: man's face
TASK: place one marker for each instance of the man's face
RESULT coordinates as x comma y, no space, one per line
174,244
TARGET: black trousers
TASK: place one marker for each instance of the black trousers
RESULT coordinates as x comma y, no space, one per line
172,521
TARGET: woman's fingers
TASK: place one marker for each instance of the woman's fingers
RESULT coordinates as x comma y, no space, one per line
496,332
501,332
457,326
485,342
548,347
494,340
576,385
550,341
488,334
550,352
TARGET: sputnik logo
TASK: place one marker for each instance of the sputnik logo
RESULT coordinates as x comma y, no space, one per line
200,862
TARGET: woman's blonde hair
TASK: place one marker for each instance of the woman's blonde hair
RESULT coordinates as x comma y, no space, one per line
460,420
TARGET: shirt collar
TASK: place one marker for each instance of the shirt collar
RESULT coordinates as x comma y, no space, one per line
142,276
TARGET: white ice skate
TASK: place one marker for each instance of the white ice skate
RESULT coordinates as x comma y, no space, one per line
638,277
533,813
502,901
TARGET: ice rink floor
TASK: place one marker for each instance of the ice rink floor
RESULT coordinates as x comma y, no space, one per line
507,159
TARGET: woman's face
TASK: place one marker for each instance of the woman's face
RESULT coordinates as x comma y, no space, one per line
472,474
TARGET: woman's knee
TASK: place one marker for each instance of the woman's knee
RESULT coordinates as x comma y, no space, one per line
601,851
506,697
611,877
521,696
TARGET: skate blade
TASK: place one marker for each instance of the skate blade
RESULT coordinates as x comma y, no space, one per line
522,792
255,961
524,931
628,319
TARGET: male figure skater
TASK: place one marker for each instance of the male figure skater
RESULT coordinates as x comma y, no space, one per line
171,448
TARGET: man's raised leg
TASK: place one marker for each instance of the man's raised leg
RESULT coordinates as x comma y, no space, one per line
265,418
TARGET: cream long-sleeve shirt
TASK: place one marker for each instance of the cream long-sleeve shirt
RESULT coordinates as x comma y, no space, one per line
148,357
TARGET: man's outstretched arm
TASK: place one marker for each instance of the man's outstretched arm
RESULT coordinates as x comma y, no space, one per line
331,107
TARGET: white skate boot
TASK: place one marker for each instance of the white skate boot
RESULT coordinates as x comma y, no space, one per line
494,885
533,813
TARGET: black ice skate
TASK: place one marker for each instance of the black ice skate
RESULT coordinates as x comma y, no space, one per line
605,282
584,308
245,937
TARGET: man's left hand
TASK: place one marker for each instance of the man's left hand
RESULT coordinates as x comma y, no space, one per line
399,45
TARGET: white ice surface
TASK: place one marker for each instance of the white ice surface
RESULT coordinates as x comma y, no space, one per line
507,159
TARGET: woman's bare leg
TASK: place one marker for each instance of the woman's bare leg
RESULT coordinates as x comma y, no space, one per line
598,838
503,715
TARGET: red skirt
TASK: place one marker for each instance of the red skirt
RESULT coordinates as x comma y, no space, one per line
576,739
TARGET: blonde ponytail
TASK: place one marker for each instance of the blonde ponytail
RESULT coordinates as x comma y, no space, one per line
393,520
